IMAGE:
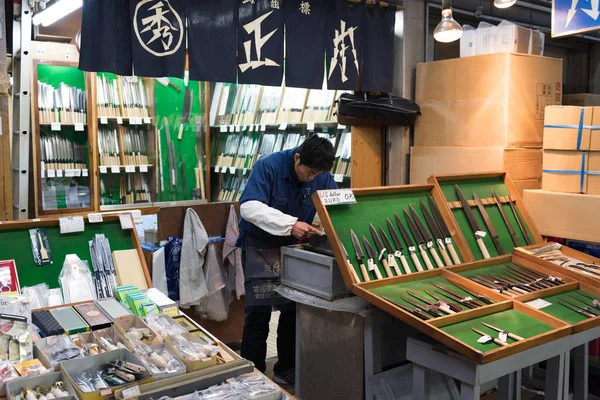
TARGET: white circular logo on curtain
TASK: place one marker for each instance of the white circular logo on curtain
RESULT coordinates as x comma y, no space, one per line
158,27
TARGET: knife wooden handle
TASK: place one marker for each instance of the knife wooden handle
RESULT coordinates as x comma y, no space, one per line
405,265
378,272
453,254
426,259
416,262
483,249
499,342
446,258
436,258
353,271
395,266
180,135
386,266
365,274
515,337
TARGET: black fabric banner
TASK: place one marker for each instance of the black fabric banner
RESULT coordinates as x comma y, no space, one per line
305,43
378,62
260,42
343,45
158,37
212,39
106,37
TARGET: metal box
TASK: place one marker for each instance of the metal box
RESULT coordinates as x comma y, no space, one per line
312,273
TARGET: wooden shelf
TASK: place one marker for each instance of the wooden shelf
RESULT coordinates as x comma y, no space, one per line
324,124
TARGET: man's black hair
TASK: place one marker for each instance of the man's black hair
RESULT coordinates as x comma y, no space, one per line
317,153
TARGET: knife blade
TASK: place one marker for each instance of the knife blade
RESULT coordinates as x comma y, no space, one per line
359,255
398,244
479,297
511,229
437,234
474,225
383,251
509,334
430,303
419,238
453,306
388,245
520,222
575,308
488,222
417,312
410,243
371,260
428,310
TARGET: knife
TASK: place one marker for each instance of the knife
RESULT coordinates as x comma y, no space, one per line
577,309
488,338
437,234
360,256
474,225
511,229
349,264
479,297
398,244
371,260
426,236
453,306
431,311
520,222
410,243
415,311
510,335
489,224
388,245
382,251
419,238
429,303
444,228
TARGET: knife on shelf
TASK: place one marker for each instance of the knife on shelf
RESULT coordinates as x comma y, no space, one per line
398,243
479,234
409,242
437,234
419,238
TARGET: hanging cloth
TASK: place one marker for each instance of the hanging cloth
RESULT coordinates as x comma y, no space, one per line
192,284
260,42
158,38
159,275
172,264
215,306
212,42
378,71
305,22
105,37
232,255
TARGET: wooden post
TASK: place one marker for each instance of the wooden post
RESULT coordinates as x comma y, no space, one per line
367,157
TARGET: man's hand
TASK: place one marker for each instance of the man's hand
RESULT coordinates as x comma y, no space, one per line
302,230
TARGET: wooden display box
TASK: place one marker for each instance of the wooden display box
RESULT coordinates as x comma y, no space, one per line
482,184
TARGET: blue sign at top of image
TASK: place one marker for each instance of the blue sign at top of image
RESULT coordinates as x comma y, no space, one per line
574,16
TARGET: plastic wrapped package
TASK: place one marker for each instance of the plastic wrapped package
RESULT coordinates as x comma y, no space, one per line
513,38
253,385
164,326
536,43
221,392
61,348
486,39
467,41
76,280
7,371
193,351
38,295
158,361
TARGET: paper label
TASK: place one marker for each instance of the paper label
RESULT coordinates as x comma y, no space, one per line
503,336
143,168
340,126
310,126
133,391
398,253
448,241
133,121
126,221
223,129
71,224
105,392
336,197
245,128
84,172
55,126
371,264
51,173
412,249
104,120
79,127
224,170
232,170
147,120
43,173
596,303
538,304
59,173
484,339
231,128
429,245
381,254
244,171
263,127
130,168
480,234
445,307
338,178
36,220
69,173
440,243
95,218
120,120
217,169
283,126
115,169
238,128
77,172
103,170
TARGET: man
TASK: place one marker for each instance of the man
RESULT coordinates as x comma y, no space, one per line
277,210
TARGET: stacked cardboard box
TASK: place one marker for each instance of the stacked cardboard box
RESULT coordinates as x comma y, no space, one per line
484,113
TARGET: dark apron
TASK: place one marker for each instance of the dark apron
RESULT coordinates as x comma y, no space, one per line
262,270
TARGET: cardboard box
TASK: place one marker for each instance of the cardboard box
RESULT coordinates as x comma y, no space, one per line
527,184
581,100
593,173
165,375
564,171
564,215
570,128
15,386
495,100
191,365
126,323
520,164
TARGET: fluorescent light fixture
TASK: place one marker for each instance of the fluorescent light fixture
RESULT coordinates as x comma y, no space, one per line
504,3
448,30
56,11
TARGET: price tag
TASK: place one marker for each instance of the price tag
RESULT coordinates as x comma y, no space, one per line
115,169
538,304
245,128
95,218
448,240
256,128
231,128
263,127
224,170
126,221
77,172
391,260
130,169
104,120
71,225
55,126
59,173
480,234
412,249
503,336
232,170
429,245
79,127
335,197
244,171
51,173
84,172
217,169
103,170
105,392
310,126
135,121
398,253
338,178
238,128
69,173
340,126
147,120
223,129
371,264
445,307
484,339
143,168
133,391
120,120
283,126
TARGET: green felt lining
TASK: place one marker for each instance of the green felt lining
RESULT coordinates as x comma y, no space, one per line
56,74
17,245
511,320
483,187
374,208
563,313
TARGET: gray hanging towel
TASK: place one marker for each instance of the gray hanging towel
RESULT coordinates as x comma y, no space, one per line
232,255
192,284
215,306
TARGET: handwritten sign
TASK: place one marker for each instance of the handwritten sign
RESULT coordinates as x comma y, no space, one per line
337,197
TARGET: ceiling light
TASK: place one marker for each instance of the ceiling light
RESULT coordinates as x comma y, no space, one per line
56,11
504,3
448,30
